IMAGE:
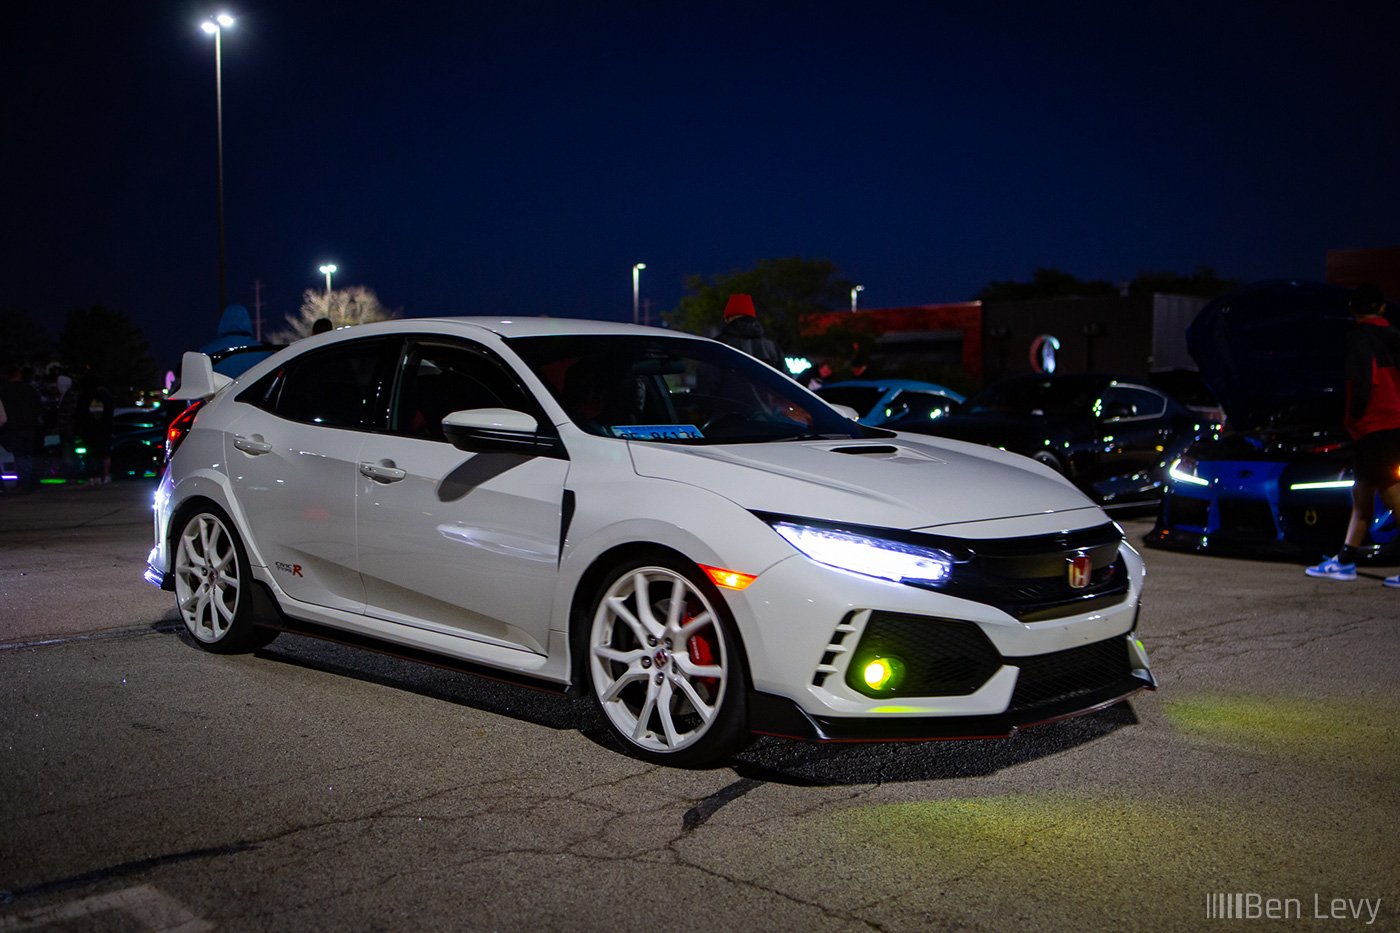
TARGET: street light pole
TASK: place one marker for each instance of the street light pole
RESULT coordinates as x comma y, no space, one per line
636,287
326,270
854,292
215,28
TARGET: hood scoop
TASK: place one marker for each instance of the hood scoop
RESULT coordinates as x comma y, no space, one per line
881,449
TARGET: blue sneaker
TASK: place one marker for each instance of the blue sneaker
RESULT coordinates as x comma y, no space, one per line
1392,581
1332,569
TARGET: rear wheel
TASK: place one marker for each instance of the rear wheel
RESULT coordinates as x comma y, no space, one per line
212,581
665,666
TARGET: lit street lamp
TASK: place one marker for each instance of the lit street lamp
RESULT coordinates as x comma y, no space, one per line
854,292
215,28
326,270
636,287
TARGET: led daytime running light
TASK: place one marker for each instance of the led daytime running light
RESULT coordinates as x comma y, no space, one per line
875,557
1180,474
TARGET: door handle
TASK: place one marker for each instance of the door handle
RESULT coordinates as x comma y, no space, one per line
384,472
251,445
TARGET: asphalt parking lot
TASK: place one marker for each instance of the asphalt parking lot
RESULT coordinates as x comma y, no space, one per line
147,785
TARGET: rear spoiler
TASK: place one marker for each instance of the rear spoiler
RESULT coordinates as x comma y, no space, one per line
197,377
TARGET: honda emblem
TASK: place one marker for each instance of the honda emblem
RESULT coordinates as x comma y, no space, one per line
1080,567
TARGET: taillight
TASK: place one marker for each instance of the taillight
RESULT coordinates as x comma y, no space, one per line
175,434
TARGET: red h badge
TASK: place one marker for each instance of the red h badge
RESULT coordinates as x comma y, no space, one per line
1080,568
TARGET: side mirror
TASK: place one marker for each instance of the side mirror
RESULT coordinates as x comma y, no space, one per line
479,430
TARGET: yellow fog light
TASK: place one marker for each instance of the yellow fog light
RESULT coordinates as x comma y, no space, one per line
883,674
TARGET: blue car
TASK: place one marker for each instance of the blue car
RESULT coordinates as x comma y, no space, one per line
1278,481
881,400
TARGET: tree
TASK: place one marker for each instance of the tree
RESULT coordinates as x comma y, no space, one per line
1044,283
103,343
1205,282
22,338
344,306
783,291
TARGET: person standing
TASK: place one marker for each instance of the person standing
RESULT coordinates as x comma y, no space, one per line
23,411
743,332
96,409
1373,421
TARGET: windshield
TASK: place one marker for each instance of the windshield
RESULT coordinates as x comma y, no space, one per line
677,389
1035,397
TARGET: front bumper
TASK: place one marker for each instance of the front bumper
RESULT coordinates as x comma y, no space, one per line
1050,687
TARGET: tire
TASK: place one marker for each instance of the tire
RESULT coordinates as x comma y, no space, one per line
682,707
212,584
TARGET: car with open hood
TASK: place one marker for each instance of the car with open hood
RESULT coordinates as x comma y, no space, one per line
659,521
1278,480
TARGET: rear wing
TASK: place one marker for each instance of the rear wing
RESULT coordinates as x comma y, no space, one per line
197,377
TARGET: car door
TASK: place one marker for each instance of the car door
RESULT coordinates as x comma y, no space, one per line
293,458
1134,427
451,540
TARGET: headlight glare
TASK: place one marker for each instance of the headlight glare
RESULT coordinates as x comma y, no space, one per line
875,557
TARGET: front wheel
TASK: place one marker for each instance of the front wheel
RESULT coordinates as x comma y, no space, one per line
665,666
212,581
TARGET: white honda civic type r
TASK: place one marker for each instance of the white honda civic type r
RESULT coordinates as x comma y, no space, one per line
658,520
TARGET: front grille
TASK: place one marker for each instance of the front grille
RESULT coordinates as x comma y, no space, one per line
1028,577
1062,675
1247,517
941,657
1184,510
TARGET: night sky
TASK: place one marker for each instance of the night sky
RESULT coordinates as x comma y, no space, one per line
518,157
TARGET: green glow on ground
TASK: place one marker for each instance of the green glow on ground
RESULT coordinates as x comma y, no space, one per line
1349,731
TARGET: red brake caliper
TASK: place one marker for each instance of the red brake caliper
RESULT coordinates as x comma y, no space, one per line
702,653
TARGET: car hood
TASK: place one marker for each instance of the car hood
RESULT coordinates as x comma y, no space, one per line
897,483
1271,346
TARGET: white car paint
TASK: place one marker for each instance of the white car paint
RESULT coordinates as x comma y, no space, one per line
420,544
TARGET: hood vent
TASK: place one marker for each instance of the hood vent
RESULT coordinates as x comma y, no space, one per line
885,449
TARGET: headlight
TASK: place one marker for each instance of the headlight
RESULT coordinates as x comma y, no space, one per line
875,557
1184,471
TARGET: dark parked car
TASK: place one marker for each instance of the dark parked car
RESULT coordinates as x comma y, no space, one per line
1113,437
1279,480
880,400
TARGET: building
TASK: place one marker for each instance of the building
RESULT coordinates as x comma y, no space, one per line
1135,336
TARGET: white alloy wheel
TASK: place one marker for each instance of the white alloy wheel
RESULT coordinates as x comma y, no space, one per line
209,578
663,668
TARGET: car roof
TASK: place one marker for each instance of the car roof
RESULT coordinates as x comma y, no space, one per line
512,326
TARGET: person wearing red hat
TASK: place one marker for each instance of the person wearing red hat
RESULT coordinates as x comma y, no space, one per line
743,332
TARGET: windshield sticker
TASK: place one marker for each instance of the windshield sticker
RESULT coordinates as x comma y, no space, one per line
656,432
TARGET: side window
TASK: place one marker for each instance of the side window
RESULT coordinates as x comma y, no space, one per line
1132,402
341,386
438,379
915,404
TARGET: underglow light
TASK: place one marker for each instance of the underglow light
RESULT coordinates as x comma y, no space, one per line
729,579
1333,484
